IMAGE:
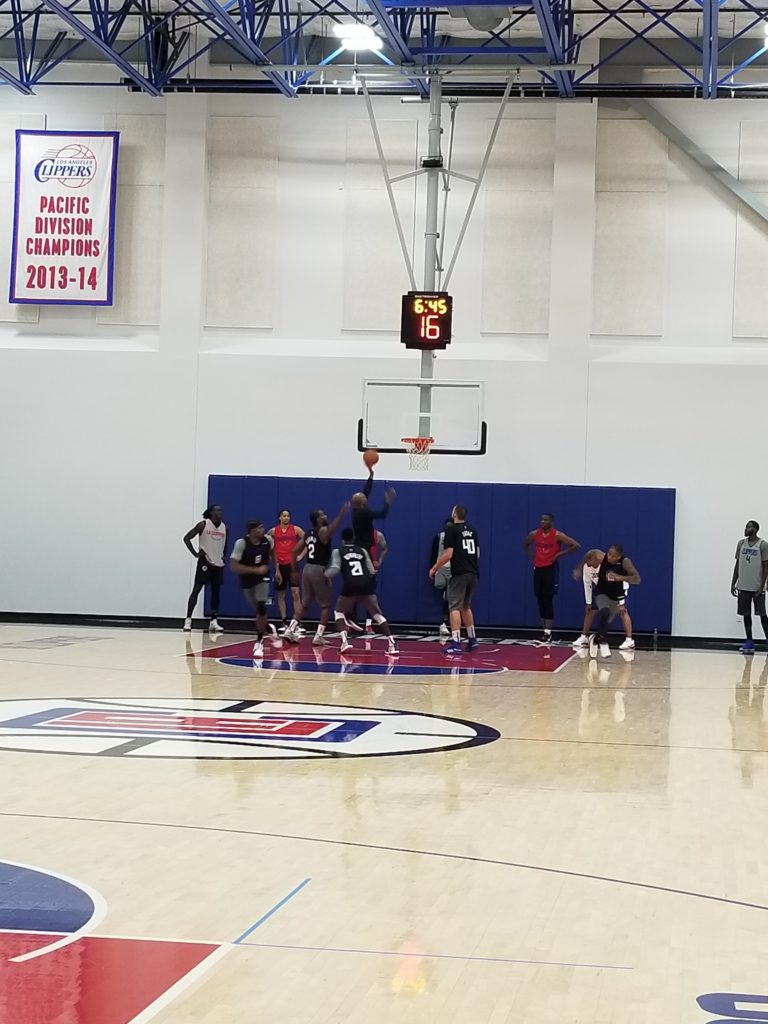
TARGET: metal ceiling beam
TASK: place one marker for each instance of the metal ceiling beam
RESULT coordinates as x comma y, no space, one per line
99,44
710,49
15,82
707,163
395,40
550,30
463,51
246,46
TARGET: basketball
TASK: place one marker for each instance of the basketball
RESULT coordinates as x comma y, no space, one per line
370,457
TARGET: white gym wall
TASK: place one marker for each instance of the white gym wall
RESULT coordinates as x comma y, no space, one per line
609,293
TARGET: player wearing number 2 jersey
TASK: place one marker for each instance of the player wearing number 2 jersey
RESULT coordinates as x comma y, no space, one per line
316,586
462,550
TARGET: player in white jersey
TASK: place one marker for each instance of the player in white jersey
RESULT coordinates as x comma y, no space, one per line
590,572
211,533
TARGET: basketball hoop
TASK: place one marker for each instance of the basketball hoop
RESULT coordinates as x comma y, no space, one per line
418,449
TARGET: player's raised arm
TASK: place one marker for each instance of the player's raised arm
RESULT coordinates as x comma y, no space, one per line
329,529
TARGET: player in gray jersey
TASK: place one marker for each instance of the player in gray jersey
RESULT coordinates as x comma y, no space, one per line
750,573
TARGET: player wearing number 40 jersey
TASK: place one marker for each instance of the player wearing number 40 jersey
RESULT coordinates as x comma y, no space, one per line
358,584
316,586
462,550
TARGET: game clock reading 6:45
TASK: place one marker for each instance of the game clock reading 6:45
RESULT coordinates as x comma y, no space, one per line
426,320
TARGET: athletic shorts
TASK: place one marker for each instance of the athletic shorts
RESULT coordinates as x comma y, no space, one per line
588,595
459,591
346,604
289,577
206,573
613,604
315,586
747,598
257,594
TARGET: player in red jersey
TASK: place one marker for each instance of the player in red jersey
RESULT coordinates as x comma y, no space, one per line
285,537
549,545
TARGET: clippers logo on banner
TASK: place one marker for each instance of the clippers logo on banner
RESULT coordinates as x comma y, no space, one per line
64,218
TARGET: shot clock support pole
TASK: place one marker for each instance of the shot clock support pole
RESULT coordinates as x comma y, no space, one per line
433,167
436,174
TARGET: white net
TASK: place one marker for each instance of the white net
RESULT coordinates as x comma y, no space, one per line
418,449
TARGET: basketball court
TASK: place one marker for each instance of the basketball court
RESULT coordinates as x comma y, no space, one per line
523,844
381,406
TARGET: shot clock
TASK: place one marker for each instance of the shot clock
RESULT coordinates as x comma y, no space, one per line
426,320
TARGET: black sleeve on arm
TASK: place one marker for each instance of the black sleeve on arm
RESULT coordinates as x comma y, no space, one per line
368,486
381,513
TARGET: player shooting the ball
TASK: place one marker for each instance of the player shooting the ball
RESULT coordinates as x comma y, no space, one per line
363,517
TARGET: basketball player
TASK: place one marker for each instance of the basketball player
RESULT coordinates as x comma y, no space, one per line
316,544
462,550
354,563
250,560
378,554
589,570
748,582
442,577
549,545
363,517
212,538
285,537
614,571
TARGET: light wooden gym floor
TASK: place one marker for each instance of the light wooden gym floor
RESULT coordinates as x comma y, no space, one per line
603,860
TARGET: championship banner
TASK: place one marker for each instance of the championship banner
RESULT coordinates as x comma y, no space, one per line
64,218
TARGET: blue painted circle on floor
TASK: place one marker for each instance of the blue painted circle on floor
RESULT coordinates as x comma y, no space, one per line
31,900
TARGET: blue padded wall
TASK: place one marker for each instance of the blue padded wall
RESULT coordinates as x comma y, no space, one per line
640,518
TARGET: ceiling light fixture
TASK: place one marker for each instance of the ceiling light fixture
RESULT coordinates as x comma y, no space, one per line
357,36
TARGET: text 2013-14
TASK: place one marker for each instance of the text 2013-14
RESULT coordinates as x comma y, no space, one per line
52,276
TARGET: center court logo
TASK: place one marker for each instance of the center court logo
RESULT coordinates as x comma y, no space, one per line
227,730
73,165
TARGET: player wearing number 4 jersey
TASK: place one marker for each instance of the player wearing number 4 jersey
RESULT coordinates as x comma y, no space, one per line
462,550
316,586
358,582
250,561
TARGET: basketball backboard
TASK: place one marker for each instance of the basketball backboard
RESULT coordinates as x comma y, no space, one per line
394,409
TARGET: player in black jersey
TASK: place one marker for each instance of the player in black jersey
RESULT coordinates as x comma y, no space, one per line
250,560
354,563
363,517
316,586
615,570
462,550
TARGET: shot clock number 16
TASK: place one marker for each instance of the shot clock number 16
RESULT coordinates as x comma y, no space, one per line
426,320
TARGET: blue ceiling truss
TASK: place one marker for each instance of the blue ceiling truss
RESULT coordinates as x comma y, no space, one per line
288,47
